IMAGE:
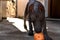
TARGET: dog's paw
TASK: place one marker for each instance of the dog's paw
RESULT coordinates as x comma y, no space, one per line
30,33
25,27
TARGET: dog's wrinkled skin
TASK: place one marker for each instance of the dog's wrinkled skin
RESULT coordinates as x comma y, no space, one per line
36,14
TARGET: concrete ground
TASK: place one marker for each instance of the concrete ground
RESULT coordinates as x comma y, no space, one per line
10,32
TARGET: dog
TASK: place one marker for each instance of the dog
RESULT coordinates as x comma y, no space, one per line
35,12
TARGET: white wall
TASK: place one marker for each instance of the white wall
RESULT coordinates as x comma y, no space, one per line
46,8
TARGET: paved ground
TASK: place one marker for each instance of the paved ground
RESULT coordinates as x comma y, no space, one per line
10,32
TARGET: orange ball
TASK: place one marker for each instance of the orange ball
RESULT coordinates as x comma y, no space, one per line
38,36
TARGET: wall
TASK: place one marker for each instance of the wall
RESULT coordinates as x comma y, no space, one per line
10,11
46,8
7,9
21,4
0,11
3,8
